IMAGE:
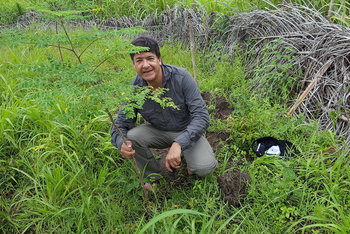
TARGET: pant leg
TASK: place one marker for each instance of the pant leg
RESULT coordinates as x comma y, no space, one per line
200,158
147,136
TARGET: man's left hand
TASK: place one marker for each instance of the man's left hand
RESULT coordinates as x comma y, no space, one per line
173,158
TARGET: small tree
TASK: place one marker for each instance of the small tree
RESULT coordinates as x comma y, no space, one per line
71,75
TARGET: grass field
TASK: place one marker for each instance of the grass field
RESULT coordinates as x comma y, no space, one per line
60,173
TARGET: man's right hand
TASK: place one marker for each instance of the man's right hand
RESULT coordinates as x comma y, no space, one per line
126,150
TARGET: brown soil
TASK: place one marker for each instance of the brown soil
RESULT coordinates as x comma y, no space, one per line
217,139
234,186
222,109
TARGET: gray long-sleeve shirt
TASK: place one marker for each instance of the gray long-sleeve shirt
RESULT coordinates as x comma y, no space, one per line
192,118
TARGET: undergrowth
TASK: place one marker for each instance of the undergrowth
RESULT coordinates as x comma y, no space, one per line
60,173
10,11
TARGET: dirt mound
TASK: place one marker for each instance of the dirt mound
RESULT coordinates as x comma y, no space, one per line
234,186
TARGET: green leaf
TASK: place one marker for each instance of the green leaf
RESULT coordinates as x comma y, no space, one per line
281,164
167,214
288,173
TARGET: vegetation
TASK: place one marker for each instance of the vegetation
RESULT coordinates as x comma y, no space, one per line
11,10
60,173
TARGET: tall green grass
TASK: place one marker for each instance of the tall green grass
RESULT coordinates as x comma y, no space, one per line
11,10
60,173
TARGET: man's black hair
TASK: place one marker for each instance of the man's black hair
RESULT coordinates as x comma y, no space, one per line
146,42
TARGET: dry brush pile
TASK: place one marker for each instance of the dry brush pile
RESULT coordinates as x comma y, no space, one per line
321,50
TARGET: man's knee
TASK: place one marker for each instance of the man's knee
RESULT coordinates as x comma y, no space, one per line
135,137
203,170
132,135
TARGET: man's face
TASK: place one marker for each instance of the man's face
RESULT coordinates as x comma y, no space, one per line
148,66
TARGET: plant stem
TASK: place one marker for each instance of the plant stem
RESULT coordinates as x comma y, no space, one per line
70,41
58,44
61,47
133,158
331,6
341,6
89,45
192,50
317,77
98,65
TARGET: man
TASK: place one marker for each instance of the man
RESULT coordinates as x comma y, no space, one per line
181,130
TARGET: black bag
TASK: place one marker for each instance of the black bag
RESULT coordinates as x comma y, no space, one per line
272,146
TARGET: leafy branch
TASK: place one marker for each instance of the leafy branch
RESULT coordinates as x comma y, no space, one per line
65,40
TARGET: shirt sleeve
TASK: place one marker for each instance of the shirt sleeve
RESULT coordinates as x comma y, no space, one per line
199,113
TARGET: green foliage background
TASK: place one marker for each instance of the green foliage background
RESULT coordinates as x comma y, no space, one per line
60,173
11,10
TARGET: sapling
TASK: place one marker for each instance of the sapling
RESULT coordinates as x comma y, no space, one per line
141,93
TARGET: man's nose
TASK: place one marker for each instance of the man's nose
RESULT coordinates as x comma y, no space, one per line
145,64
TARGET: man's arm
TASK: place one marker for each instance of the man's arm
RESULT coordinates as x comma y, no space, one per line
197,126
197,108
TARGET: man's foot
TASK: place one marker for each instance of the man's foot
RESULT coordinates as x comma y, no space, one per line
189,172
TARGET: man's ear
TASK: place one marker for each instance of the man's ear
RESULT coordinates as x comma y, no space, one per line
160,61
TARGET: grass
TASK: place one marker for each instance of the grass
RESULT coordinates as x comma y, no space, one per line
60,173
11,10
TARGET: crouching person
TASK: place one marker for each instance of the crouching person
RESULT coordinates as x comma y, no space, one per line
180,129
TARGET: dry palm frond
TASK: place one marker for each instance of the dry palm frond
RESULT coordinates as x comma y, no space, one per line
316,42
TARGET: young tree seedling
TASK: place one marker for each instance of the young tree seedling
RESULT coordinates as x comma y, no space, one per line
93,90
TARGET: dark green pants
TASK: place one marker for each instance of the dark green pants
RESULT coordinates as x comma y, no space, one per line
200,158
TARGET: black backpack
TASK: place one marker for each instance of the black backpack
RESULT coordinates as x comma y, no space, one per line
269,145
